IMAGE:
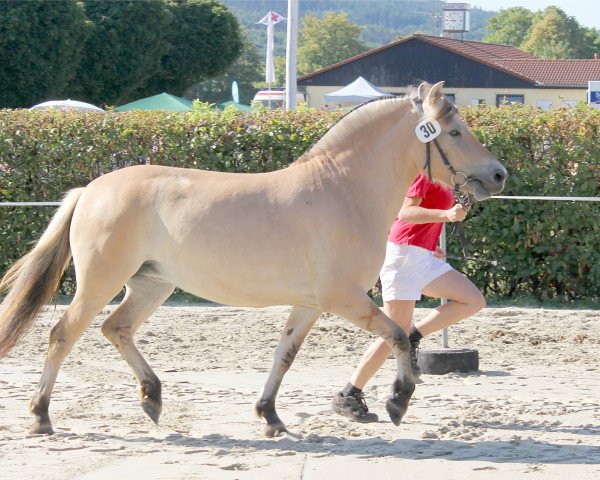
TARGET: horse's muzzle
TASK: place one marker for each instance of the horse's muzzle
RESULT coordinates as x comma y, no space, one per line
487,183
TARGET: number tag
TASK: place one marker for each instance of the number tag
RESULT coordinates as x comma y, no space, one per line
427,130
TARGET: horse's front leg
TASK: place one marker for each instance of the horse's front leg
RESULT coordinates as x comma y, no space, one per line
299,323
361,311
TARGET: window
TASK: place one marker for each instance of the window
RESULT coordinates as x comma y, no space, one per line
544,104
569,103
506,99
477,101
451,97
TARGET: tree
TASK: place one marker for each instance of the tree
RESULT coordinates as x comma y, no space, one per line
108,52
509,26
41,44
554,34
124,50
204,39
246,71
548,34
323,42
280,70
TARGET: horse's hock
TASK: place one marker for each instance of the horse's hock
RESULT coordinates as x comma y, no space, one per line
447,360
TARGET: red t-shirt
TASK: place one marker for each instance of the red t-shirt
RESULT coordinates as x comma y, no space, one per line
424,235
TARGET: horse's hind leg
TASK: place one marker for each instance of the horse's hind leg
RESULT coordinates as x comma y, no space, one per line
63,336
360,310
297,327
143,296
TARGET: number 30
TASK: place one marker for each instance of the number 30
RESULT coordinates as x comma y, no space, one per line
428,129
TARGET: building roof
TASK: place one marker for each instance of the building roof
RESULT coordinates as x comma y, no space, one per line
511,60
563,72
487,52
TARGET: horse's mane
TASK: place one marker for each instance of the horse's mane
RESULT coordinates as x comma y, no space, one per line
441,109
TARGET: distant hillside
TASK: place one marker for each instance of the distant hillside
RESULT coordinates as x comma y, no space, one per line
384,20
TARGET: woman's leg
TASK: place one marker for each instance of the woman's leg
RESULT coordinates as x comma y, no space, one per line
350,401
464,300
400,311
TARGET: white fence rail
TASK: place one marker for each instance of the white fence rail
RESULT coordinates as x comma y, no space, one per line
510,197
29,204
497,197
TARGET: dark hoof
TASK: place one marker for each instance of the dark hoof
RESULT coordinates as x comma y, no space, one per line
275,430
44,428
396,409
152,408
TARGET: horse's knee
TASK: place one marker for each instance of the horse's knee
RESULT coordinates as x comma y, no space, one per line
109,330
115,334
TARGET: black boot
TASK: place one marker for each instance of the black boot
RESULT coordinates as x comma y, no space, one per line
353,406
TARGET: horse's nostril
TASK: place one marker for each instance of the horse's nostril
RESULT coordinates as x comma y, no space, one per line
499,176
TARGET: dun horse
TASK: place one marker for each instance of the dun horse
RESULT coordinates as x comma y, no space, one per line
311,235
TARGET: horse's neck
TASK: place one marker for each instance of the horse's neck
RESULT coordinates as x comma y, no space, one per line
377,156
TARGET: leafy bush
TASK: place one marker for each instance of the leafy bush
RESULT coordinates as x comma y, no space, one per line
549,249
546,249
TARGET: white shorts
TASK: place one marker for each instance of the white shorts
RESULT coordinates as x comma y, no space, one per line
407,270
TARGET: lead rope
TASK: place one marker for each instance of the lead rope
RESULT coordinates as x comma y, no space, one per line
457,228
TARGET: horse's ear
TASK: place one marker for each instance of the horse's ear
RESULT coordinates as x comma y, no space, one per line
423,90
435,94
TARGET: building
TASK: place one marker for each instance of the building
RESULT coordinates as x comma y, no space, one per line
473,72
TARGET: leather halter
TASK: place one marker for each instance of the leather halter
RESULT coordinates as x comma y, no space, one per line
466,200
455,173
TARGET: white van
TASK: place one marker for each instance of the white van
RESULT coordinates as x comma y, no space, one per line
274,98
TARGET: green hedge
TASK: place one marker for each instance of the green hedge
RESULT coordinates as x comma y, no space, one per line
548,249
545,249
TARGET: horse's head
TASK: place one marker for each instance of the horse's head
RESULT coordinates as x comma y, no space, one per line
477,170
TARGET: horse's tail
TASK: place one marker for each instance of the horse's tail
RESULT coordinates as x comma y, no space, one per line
33,280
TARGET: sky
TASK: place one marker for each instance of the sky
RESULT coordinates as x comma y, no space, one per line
585,11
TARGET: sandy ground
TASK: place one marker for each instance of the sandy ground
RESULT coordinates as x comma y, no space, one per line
532,411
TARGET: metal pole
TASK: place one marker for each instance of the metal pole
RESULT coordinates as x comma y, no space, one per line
444,300
290,57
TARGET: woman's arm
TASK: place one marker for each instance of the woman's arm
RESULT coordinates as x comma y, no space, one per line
412,212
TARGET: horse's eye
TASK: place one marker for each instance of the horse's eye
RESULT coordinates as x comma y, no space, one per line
454,133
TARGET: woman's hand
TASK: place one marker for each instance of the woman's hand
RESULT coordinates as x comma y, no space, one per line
439,253
457,213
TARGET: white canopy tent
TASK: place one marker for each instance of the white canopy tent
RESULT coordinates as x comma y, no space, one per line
360,90
66,105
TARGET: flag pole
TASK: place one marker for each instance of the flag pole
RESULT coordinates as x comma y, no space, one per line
270,60
290,62
270,19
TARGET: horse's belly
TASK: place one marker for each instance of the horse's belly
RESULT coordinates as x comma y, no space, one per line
229,280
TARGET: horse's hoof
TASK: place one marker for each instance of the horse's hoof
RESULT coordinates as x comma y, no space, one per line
275,430
44,428
396,410
152,408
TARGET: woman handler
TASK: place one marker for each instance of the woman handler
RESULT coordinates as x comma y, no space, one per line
413,265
